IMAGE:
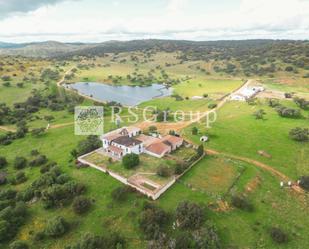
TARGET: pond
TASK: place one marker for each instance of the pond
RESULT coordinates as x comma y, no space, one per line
125,95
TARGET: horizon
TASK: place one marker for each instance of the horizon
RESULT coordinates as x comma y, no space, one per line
155,39
90,21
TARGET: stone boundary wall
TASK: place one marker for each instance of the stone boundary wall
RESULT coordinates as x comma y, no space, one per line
124,180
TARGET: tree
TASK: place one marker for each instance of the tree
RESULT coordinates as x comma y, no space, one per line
212,105
3,162
20,177
56,227
241,202
130,161
194,130
189,215
278,235
18,244
38,132
259,114
4,230
302,103
152,220
81,204
120,193
85,146
163,171
289,69
152,129
299,134
304,182
20,162
200,150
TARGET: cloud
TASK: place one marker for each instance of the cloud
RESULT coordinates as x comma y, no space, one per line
176,7
8,7
94,21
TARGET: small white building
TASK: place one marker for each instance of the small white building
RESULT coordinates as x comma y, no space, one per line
245,93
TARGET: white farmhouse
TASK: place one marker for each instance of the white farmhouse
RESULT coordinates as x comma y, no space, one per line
247,92
121,142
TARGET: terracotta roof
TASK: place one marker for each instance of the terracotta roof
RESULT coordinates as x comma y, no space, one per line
111,136
158,148
126,141
147,140
172,139
115,149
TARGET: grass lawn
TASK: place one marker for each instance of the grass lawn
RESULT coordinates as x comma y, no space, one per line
207,86
273,206
174,105
237,132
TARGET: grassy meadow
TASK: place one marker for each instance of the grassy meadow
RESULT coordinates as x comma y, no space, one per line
212,182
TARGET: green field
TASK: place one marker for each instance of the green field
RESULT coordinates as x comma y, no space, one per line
210,182
237,132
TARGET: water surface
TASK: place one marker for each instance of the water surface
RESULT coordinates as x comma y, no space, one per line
125,95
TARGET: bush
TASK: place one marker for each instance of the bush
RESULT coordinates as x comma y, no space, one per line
189,215
241,202
304,182
56,227
2,178
3,162
81,204
278,235
288,112
20,163
212,105
194,131
130,161
120,193
85,146
200,150
163,171
40,160
19,245
152,221
20,177
299,134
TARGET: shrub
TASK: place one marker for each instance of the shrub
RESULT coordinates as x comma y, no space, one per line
20,177
130,161
194,130
278,235
299,134
38,161
120,193
3,162
19,245
200,150
259,114
4,230
20,163
163,171
302,103
212,105
152,221
38,132
56,227
190,215
289,69
85,146
241,202
304,182
288,112
2,178
81,204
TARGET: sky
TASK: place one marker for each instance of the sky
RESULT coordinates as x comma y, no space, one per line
103,20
